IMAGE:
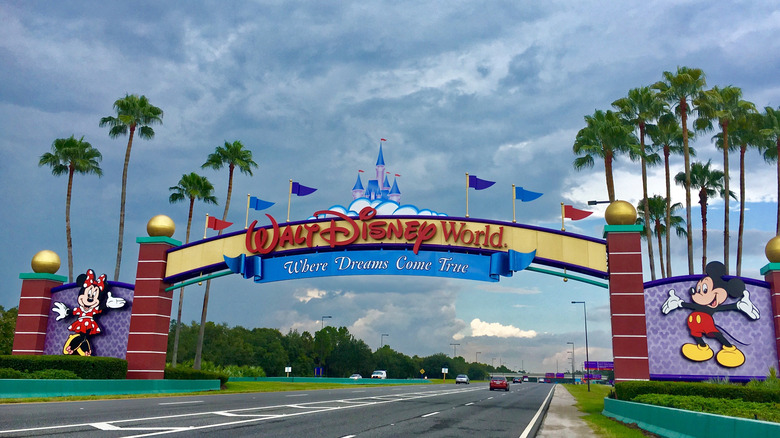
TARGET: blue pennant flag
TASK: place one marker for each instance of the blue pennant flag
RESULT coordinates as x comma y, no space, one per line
479,184
258,204
526,195
301,190
248,267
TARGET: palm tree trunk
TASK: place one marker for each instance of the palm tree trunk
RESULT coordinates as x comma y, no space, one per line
608,175
703,203
777,231
122,205
660,247
68,236
742,150
726,178
650,255
668,212
687,157
181,292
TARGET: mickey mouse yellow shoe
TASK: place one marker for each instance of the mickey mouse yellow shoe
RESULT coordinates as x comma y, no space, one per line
697,353
730,357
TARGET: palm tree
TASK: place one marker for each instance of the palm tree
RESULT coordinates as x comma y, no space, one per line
746,134
640,106
132,112
709,182
657,210
233,155
667,134
726,106
605,136
192,187
771,131
71,156
677,88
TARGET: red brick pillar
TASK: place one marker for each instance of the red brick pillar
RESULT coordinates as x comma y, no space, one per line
147,342
34,305
627,302
771,273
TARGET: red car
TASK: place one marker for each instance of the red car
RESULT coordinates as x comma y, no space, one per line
499,382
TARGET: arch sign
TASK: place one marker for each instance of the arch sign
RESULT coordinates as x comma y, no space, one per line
336,244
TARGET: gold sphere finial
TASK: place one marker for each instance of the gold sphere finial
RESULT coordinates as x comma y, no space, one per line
45,262
620,213
160,225
772,250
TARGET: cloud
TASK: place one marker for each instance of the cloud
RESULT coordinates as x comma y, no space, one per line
495,329
307,295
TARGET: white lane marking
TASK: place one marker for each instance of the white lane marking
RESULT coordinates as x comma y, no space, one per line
357,391
490,398
428,415
348,436
538,412
181,403
469,404
297,395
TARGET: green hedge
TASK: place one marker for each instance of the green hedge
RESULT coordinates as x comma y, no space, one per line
717,406
631,390
184,373
83,367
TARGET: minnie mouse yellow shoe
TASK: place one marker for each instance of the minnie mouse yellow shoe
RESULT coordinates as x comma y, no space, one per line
730,357
697,353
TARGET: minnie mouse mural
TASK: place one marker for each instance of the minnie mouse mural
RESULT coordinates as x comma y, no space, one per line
94,298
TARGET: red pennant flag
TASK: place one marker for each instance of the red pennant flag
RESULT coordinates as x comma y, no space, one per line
361,171
397,174
574,213
382,139
217,224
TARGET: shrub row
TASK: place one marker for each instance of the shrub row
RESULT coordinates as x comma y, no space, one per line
81,366
185,373
718,406
10,373
631,390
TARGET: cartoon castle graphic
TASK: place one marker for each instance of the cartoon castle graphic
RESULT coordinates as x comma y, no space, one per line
378,188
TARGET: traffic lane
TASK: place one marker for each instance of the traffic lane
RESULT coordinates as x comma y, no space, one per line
28,415
476,411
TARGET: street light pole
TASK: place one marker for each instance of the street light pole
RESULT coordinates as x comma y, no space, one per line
572,361
587,358
493,362
382,340
454,346
322,321
476,357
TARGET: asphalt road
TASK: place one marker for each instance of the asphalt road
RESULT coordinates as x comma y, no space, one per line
417,410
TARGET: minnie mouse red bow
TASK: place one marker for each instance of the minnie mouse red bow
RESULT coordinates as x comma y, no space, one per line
100,282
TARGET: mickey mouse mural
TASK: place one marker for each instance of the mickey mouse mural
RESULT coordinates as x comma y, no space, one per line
708,297
94,298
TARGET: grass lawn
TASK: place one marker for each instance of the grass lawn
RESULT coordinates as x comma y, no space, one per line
592,403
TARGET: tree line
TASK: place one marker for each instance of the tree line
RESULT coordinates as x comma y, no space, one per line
333,349
660,112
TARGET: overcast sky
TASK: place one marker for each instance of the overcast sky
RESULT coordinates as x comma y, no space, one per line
498,89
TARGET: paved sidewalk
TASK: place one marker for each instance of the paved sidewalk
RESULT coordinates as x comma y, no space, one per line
563,418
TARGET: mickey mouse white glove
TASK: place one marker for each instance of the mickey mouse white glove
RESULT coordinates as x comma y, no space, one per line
745,305
114,302
61,310
671,303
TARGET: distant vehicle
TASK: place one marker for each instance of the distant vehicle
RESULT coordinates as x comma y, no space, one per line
540,380
355,376
462,378
379,374
516,380
499,382
525,378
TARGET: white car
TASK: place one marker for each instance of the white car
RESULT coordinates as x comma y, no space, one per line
355,376
462,378
379,374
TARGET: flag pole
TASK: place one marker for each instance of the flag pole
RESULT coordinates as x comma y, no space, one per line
207,226
513,203
563,214
289,199
467,194
246,222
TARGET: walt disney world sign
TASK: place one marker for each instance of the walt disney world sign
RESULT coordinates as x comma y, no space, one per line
335,244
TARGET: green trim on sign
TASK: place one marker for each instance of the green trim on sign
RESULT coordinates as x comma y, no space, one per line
573,277
23,388
769,267
623,229
43,276
198,280
158,239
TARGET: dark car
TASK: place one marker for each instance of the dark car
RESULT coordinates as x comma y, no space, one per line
516,380
499,382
